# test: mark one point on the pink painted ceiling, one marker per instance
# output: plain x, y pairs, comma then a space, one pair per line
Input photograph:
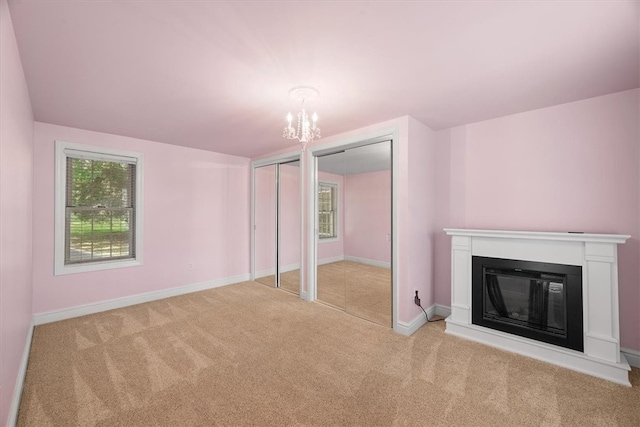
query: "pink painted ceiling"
216, 75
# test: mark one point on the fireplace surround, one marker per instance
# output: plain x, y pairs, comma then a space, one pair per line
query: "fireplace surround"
595, 255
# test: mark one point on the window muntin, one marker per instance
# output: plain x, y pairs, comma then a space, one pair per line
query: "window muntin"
327, 211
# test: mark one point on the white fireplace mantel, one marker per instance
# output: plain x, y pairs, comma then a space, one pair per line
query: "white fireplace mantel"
597, 254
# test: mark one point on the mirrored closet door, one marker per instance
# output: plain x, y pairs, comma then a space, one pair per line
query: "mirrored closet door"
265, 227
277, 213
289, 213
354, 231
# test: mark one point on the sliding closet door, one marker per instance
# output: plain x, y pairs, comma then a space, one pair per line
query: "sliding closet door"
354, 231
289, 226
265, 224
330, 272
367, 232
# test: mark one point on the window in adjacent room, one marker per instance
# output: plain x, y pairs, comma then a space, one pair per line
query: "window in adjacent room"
327, 210
98, 203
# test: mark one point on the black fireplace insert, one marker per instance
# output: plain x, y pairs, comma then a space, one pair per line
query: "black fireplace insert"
541, 301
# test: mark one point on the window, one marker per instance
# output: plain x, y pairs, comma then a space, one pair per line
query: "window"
327, 211
98, 195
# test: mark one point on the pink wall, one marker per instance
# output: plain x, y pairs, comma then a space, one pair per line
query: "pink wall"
572, 167
333, 248
367, 216
421, 205
196, 211
16, 196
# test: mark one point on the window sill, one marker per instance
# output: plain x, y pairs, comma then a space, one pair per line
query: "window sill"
329, 240
96, 266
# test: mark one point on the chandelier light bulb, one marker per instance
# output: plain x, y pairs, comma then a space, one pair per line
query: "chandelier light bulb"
289, 118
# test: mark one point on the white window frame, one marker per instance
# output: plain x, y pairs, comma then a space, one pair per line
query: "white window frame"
337, 219
60, 201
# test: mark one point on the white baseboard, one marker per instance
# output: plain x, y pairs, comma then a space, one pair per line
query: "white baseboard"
409, 328
633, 357
272, 271
83, 310
330, 260
22, 371
368, 261
443, 310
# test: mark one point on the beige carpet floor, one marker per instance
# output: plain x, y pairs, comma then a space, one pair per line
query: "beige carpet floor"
246, 354
289, 281
359, 289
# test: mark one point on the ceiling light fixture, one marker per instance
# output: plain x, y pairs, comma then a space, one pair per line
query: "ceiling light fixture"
305, 131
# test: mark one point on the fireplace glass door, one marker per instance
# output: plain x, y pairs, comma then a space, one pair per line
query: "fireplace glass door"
530, 299
541, 301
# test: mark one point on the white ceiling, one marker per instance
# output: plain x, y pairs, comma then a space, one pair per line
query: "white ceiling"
216, 75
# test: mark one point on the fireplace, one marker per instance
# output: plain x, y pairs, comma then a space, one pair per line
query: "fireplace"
541, 301
555, 296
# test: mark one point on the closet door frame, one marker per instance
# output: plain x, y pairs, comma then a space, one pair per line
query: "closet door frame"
275, 160
311, 155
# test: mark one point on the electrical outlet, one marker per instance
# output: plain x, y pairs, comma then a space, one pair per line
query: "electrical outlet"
416, 299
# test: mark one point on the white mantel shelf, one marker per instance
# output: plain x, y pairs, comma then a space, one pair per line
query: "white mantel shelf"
540, 235
597, 254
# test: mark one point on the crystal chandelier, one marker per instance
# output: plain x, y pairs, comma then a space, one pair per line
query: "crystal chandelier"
304, 131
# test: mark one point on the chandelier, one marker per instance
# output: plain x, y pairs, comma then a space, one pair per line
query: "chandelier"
305, 131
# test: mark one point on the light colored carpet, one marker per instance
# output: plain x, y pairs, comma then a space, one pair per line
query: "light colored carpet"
246, 354
289, 281
359, 289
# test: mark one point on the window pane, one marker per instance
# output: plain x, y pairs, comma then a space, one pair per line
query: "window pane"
327, 210
98, 234
100, 210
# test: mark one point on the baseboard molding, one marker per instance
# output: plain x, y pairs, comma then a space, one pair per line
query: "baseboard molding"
411, 327
272, 271
330, 260
83, 310
633, 357
368, 261
443, 310
22, 371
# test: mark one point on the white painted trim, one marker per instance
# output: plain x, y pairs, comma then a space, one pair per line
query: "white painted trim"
329, 239
540, 235
366, 261
59, 209
252, 226
272, 271
324, 261
443, 310
570, 359
632, 356
22, 372
97, 307
395, 235
417, 322
339, 211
